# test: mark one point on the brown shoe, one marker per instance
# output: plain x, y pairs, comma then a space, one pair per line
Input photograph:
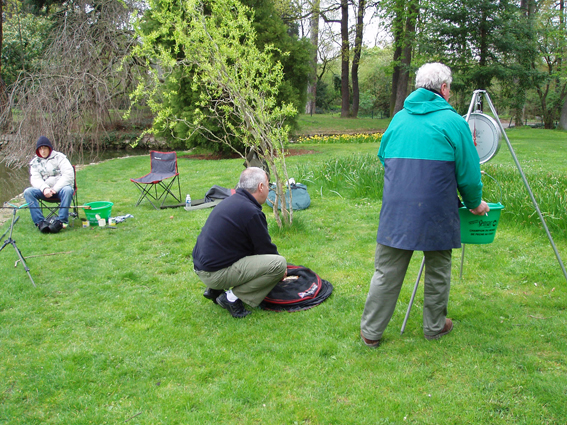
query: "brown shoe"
372, 343
446, 329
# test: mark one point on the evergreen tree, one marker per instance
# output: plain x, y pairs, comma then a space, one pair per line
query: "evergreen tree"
471, 36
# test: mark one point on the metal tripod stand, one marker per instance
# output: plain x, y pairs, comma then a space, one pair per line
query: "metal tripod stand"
476, 100
13, 242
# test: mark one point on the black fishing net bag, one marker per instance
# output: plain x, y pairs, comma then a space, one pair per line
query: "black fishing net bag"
300, 290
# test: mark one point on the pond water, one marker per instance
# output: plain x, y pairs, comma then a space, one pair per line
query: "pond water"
14, 181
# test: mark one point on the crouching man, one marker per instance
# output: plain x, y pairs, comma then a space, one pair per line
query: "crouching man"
234, 251
51, 177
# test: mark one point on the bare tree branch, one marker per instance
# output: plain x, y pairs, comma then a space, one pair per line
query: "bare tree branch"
82, 83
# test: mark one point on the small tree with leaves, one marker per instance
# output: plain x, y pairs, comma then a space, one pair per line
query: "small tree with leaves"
238, 82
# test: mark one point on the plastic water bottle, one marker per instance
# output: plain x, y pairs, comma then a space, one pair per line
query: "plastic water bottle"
187, 201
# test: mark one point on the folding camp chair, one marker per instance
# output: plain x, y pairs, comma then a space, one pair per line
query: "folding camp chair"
54, 203
153, 185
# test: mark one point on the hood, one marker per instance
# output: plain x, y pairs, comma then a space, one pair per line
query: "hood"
43, 141
423, 101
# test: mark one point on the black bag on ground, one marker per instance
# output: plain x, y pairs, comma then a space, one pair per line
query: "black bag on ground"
212, 198
300, 290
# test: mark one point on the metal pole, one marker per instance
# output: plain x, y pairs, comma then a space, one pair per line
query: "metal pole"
413, 295
9, 228
462, 261
13, 243
474, 100
536, 206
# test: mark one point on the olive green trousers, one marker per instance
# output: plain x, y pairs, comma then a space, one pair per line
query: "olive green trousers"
251, 278
390, 269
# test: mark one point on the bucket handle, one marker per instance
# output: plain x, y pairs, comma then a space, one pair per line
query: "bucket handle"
496, 181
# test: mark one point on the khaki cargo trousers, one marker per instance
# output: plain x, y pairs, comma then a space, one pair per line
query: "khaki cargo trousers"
251, 278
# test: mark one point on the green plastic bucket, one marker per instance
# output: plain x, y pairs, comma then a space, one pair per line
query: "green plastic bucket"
102, 208
479, 229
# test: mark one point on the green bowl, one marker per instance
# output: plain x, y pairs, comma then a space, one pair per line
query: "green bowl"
102, 208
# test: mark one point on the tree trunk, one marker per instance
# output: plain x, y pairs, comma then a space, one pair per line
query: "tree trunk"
312, 85
397, 30
548, 121
402, 91
522, 84
482, 82
345, 104
405, 59
356, 58
546, 116
519, 116
395, 80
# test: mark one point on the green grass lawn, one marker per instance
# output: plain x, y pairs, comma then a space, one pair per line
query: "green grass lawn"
117, 329
334, 124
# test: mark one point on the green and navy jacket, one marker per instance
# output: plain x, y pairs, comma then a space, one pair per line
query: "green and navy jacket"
428, 155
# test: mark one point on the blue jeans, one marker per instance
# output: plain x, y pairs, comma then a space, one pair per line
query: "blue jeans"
65, 196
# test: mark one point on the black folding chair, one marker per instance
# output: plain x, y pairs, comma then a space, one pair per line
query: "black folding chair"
153, 186
54, 203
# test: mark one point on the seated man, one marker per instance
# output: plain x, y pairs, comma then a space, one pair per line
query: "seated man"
234, 251
51, 175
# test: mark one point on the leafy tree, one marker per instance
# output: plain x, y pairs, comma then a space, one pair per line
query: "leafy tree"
213, 45
293, 53
404, 15
324, 96
471, 36
376, 77
24, 42
517, 60
41, 7
183, 92
550, 78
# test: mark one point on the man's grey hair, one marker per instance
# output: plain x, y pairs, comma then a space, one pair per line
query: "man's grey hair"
432, 76
251, 178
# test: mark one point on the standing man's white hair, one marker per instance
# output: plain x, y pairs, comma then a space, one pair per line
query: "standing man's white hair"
432, 76
251, 178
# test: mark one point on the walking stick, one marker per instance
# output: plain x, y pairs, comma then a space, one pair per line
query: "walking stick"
413, 295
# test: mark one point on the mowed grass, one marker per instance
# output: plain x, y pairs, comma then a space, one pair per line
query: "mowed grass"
117, 330
334, 124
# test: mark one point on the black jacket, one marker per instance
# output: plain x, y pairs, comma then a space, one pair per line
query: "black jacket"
236, 228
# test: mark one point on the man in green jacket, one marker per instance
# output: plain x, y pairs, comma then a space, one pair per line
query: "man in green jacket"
428, 156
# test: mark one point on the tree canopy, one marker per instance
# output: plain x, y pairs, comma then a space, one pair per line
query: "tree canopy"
181, 94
